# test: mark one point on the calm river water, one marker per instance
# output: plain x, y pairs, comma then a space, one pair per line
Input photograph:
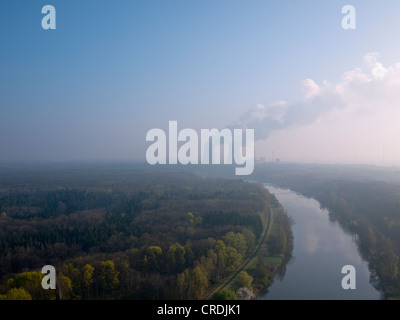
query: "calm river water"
321, 249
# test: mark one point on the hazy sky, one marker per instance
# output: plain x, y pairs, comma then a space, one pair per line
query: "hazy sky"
113, 70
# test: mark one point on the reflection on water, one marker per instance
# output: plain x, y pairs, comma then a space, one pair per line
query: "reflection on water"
321, 249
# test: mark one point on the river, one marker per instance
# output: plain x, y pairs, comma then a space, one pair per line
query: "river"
321, 249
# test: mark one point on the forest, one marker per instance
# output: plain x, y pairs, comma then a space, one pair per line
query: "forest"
365, 200
114, 232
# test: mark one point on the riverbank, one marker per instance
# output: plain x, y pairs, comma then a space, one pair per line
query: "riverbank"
272, 252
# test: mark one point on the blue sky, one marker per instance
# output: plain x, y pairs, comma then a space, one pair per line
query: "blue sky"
112, 70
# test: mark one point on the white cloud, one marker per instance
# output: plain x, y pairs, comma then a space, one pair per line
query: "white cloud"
310, 88
377, 69
357, 118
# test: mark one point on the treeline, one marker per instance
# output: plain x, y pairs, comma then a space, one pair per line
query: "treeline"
281, 241
366, 202
371, 212
280, 244
140, 235
150, 273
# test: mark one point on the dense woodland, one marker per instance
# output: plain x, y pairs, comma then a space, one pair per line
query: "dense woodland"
118, 233
366, 202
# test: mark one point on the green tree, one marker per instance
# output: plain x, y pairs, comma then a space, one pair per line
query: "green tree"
108, 277
182, 283
277, 242
198, 221
74, 274
16, 294
87, 278
224, 294
220, 250
262, 272
64, 287
189, 255
32, 283
367, 235
243, 280
233, 259
191, 218
170, 258
250, 238
237, 241
154, 258
198, 279
387, 261
176, 258
180, 257
208, 265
